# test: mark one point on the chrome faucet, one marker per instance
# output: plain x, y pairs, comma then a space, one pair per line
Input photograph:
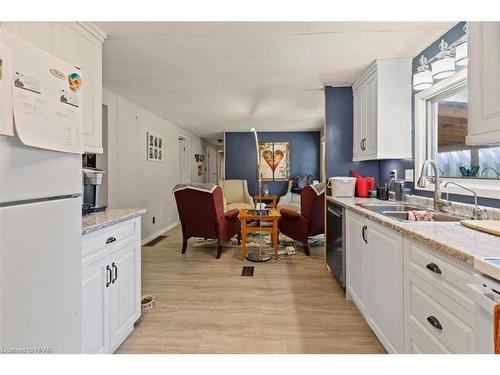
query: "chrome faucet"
478, 213
438, 202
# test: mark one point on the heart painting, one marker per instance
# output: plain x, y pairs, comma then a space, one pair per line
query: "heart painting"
274, 158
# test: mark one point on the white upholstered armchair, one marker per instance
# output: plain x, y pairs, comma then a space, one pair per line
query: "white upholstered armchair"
236, 194
290, 200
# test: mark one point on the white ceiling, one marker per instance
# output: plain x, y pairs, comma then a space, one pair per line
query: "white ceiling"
209, 77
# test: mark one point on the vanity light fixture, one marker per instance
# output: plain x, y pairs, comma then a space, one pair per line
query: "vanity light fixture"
423, 78
444, 65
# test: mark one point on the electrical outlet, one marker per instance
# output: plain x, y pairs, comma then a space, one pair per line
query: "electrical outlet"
409, 175
154, 219
394, 172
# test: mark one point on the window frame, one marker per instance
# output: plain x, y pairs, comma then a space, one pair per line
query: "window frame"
424, 113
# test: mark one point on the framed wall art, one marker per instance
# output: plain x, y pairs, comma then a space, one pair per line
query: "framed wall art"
154, 147
274, 161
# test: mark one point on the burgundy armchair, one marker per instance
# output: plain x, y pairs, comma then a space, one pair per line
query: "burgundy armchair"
201, 214
309, 222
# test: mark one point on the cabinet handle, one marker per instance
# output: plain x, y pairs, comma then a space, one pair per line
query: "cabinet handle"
433, 321
434, 268
110, 240
108, 276
115, 271
361, 145
363, 233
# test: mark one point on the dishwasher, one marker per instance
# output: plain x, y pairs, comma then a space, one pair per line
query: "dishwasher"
335, 241
485, 292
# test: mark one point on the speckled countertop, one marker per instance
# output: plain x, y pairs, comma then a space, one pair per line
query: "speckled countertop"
100, 220
450, 238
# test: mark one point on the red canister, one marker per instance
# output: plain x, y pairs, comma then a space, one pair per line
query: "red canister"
362, 185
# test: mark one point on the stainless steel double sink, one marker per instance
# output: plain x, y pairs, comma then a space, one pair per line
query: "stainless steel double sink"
399, 211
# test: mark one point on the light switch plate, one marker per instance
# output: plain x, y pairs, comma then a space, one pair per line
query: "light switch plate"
409, 175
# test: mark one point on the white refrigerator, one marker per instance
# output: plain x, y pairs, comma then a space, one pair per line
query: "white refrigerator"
40, 231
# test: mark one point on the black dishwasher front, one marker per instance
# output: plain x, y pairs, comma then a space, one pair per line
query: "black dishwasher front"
335, 241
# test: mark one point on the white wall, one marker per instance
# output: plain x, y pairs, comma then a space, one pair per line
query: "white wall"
135, 182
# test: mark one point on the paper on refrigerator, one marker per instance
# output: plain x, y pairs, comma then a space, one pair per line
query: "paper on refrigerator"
47, 111
6, 122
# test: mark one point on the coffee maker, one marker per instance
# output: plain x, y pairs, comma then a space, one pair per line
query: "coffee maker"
92, 195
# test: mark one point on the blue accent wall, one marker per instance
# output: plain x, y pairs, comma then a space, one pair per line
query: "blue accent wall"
339, 136
241, 156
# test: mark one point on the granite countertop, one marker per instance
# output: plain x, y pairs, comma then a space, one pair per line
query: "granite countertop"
450, 238
100, 220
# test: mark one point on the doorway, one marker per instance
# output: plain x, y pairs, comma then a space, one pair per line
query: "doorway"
184, 160
211, 164
220, 164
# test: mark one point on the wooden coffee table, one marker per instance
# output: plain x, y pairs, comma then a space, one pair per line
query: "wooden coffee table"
249, 223
270, 200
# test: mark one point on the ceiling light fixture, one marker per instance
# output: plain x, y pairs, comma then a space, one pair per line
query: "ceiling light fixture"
423, 78
444, 65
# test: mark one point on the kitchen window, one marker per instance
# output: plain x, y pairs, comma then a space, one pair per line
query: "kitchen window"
440, 132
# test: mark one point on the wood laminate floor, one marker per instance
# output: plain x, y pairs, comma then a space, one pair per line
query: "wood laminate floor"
204, 305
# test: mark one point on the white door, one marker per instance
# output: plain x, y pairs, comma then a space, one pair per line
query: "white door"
356, 261
124, 294
184, 161
386, 285
220, 166
95, 307
211, 163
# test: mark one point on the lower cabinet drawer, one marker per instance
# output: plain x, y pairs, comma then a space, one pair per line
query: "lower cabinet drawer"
436, 317
112, 237
420, 342
449, 278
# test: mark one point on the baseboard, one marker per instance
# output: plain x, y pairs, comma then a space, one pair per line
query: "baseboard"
151, 237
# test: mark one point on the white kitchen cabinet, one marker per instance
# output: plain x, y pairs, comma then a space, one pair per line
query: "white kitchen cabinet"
111, 285
382, 111
386, 285
374, 267
437, 311
80, 44
124, 293
413, 297
483, 125
357, 282
41, 34
95, 307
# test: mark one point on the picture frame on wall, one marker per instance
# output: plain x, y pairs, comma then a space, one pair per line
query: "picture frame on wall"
154, 147
274, 161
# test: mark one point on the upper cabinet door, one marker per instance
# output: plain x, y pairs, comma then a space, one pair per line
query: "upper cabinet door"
40, 34
370, 139
84, 50
484, 83
382, 106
